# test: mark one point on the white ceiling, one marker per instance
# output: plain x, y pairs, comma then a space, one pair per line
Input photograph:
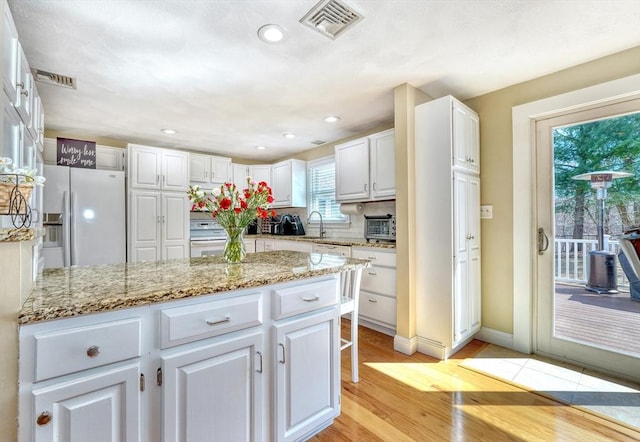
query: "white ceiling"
198, 66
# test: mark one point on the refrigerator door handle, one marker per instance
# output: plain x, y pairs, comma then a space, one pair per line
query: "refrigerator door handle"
66, 239
73, 212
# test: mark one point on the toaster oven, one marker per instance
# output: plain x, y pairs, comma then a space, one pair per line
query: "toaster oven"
381, 227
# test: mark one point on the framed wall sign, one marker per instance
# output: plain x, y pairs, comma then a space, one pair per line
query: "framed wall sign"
76, 153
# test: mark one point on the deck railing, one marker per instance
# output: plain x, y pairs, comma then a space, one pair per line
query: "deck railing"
572, 255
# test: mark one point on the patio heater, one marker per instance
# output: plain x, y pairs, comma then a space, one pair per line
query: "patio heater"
602, 270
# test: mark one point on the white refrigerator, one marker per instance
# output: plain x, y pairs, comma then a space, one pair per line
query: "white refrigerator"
84, 217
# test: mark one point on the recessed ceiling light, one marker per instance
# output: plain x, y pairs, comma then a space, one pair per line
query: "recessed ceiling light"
289, 135
168, 131
331, 119
261, 147
271, 33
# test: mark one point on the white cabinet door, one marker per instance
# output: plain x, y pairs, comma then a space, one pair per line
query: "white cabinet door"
154, 168
466, 142
10, 57
308, 379
12, 129
352, 170
199, 168
144, 167
466, 303
175, 170
175, 225
214, 392
144, 229
260, 172
383, 163
220, 170
473, 222
281, 185
24, 97
240, 172
101, 406
289, 183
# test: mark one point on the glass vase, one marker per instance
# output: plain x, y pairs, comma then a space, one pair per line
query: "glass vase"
234, 251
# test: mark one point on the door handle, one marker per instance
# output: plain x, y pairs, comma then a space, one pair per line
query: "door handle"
543, 241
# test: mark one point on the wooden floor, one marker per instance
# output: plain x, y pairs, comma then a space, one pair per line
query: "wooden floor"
611, 321
405, 398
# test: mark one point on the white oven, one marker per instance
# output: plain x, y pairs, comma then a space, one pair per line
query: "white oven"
207, 237
207, 247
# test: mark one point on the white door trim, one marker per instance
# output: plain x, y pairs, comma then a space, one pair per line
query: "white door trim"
524, 238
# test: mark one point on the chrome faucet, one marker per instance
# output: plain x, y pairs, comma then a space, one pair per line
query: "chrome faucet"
322, 232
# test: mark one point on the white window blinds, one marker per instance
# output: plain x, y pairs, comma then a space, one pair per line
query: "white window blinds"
322, 190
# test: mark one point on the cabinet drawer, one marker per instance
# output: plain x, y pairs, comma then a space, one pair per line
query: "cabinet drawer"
289, 301
378, 308
331, 249
75, 349
379, 280
377, 257
180, 325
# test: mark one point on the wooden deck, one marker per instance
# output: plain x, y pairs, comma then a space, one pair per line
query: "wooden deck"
610, 321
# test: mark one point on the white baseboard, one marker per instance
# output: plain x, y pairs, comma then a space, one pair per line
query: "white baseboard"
495, 337
408, 346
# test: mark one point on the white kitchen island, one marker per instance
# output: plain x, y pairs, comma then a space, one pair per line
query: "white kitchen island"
183, 350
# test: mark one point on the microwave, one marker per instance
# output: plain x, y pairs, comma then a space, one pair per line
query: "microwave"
381, 227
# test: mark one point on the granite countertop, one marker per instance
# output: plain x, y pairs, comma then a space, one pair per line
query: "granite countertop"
357, 242
72, 291
13, 235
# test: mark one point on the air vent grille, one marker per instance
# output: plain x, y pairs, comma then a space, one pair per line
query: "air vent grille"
54, 79
331, 18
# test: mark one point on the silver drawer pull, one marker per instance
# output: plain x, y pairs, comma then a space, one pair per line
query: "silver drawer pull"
371, 257
226, 319
372, 273
93, 351
373, 300
316, 298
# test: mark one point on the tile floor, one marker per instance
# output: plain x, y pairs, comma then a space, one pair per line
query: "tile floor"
614, 398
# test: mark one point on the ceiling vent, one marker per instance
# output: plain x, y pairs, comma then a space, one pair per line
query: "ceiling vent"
54, 79
331, 18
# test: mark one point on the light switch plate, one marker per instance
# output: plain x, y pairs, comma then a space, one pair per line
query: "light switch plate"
486, 211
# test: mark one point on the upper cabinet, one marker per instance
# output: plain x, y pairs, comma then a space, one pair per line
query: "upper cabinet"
23, 111
258, 172
365, 168
10, 56
466, 137
107, 157
289, 183
208, 169
24, 85
382, 167
160, 169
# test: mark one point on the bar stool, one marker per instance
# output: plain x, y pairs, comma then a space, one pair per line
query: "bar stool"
350, 289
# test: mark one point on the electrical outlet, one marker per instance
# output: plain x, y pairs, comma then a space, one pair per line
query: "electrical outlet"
486, 211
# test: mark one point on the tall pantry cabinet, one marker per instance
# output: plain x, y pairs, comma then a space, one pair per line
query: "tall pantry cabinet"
158, 208
448, 241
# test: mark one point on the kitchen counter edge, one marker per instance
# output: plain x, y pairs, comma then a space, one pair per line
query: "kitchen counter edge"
73, 291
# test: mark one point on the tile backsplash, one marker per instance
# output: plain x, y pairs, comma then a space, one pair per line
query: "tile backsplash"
355, 228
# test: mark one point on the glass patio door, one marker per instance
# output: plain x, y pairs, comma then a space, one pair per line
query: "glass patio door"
573, 323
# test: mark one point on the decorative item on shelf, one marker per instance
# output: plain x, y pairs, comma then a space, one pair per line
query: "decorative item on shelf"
234, 209
16, 185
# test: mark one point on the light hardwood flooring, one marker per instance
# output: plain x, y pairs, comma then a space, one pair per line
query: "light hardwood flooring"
405, 398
